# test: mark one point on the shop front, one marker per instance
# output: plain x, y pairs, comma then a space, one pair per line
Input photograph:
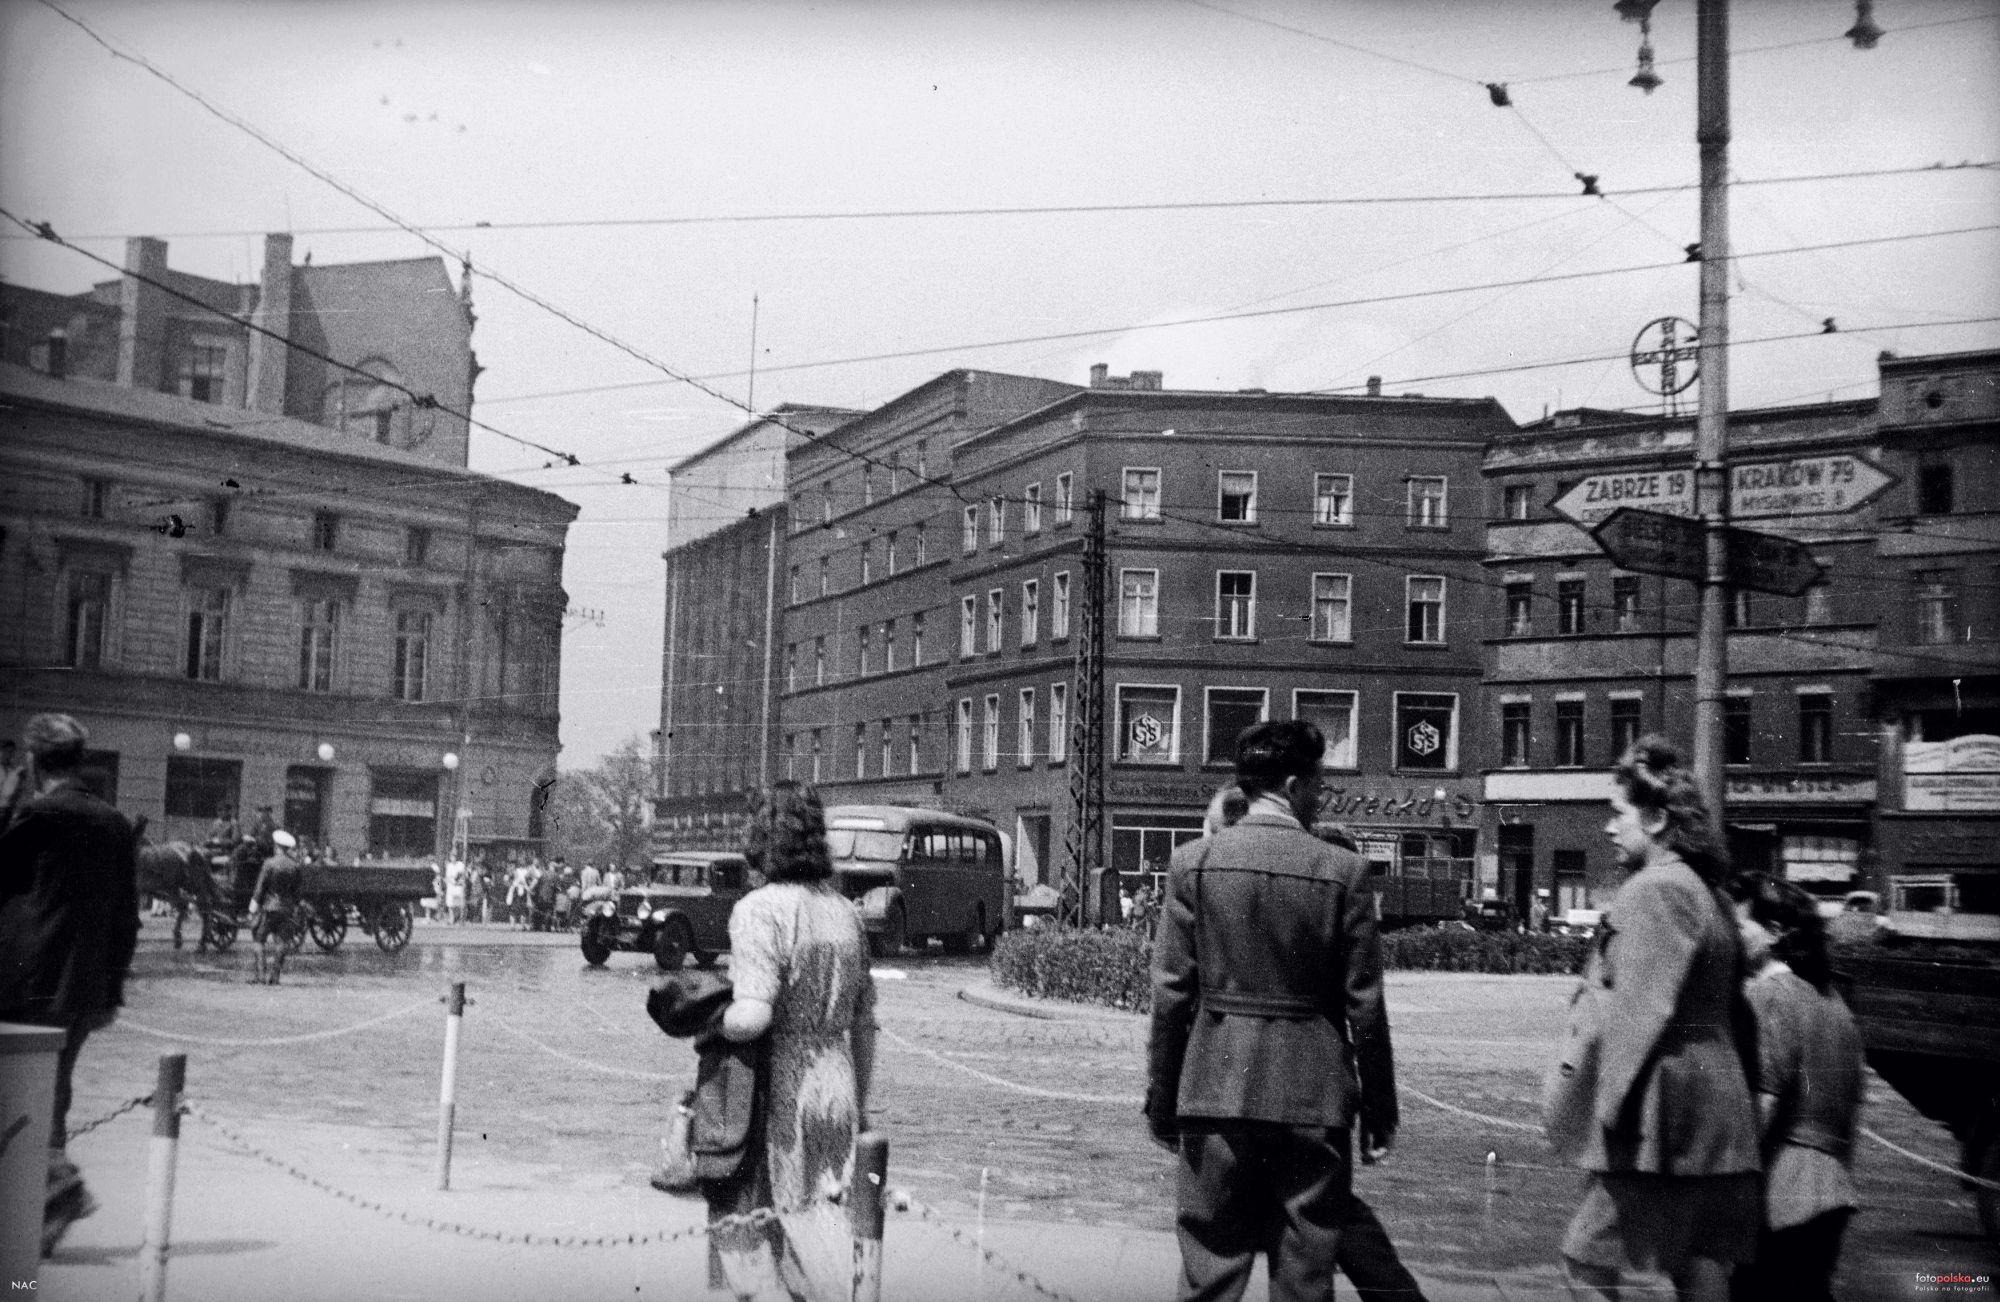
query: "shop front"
1813, 830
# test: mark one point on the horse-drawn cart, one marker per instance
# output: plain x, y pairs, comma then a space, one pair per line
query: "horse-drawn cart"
377, 898
215, 887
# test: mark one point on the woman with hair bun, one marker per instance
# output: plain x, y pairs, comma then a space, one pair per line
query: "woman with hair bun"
1809, 1085
1671, 1141
798, 961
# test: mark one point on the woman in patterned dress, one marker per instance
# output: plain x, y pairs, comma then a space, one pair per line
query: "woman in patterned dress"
799, 964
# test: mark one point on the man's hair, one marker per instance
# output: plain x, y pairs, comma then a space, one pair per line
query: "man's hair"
1270, 752
56, 742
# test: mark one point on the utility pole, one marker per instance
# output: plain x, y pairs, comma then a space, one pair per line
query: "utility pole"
469, 607
770, 635
1711, 431
1085, 842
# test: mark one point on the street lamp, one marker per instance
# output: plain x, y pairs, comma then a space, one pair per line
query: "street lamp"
326, 752
450, 762
183, 742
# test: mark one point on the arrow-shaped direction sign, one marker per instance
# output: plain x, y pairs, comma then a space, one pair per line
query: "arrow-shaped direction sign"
1796, 486
1654, 543
1665, 492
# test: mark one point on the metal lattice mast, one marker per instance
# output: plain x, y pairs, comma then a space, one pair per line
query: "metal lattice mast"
1085, 843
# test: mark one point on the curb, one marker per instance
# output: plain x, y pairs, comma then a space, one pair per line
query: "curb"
1042, 1010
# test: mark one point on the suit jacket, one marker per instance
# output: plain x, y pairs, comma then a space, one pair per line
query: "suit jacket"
69, 908
1672, 1096
1267, 984
727, 1093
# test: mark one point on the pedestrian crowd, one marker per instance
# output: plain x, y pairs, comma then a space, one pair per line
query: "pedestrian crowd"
1708, 1084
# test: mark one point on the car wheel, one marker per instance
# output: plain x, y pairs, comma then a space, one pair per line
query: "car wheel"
595, 944
673, 945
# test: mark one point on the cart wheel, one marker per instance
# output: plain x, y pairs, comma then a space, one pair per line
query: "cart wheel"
218, 929
673, 945
596, 950
328, 924
392, 926
294, 933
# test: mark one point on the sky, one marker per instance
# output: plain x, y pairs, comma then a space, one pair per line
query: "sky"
1331, 179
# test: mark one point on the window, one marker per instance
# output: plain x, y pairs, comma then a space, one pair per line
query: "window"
923, 546
201, 788
1517, 734
860, 750
325, 531
995, 618
1934, 488
1517, 501
1625, 603
413, 653
96, 498
1335, 713
867, 563
1333, 608
1815, 727
889, 551
818, 753
968, 627
1236, 496
1424, 595
1819, 604
1031, 509
1427, 502
996, 521
1569, 607
1520, 609
1625, 716
1065, 498
416, 545
922, 444
1333, 499
207, 628
916, 743
1426, 731
1031, 611
825, 575
1059, 606
917, 640
791, 666
819, 661
1937, 606
888, 747
1024, 729
861, 639
218, 516
1572, 874
989, 750
1058, 723
1736, 730
791, 749
319, 632
203, 368
1149, 721
795, 512
969, 531
895, 472
1229, 711
888, 646
1569, 734
795, 585
826, 502
1141, 499
1138, 603
1236, 604
867, 485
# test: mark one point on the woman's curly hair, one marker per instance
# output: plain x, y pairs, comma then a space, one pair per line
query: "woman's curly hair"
788, 835
1793, 918
1651, 775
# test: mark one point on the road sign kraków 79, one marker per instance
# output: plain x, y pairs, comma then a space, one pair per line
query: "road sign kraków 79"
1828, 485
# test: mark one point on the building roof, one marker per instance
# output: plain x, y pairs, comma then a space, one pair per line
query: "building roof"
815, 418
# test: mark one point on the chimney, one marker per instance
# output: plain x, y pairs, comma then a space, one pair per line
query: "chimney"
58, 358
1374, 386
142, 315
1098, 374
264, 390
1147, 379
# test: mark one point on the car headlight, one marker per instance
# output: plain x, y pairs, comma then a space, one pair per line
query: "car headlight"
643, 913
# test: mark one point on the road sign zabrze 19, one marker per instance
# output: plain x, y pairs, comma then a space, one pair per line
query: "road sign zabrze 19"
1663, 492
1654, 543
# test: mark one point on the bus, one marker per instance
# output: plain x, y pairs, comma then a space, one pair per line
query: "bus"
918, 873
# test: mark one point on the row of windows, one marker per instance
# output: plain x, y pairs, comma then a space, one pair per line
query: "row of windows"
1236, 502
893, 478
1626, 718
97, 498
1330, 598
901, 550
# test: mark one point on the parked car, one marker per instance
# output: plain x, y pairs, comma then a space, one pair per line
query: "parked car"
1489, 915
681, 909
918, 873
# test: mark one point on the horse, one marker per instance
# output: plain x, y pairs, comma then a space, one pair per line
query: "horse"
178, 873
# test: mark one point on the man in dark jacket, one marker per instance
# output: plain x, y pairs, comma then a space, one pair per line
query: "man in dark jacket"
69, 920
1269, 1034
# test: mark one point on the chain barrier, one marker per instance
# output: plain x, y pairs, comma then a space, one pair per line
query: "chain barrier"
1921, 1160
1457, 1111
235, 1042
587, 1064
902, 1201
73, 1132
760, 1216
1132, 1100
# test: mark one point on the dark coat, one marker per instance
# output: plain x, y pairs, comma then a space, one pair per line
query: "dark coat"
69, 908
1267, 985
727, 1095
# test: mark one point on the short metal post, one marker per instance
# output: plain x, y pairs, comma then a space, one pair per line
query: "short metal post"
871, 1175
160, 1176
448, 1086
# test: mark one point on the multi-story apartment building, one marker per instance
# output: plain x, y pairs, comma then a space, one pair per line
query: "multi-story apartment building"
1937, 677
866, 588
1585, 657
1266, 556
332, 617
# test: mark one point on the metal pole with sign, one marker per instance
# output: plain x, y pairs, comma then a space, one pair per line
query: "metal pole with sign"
1711, 431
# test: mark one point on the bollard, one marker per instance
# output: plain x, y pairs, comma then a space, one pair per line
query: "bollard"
871, 1176
979, 1256
160, 1176
448, 1086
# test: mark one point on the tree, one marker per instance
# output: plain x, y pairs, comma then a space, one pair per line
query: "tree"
602, 815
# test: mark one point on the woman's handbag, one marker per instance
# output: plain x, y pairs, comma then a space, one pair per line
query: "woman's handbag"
676, 1172
1569, 1094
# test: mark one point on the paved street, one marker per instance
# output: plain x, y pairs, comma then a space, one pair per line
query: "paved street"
561, 1086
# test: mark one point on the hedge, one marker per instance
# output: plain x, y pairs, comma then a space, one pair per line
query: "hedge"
1113, 966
